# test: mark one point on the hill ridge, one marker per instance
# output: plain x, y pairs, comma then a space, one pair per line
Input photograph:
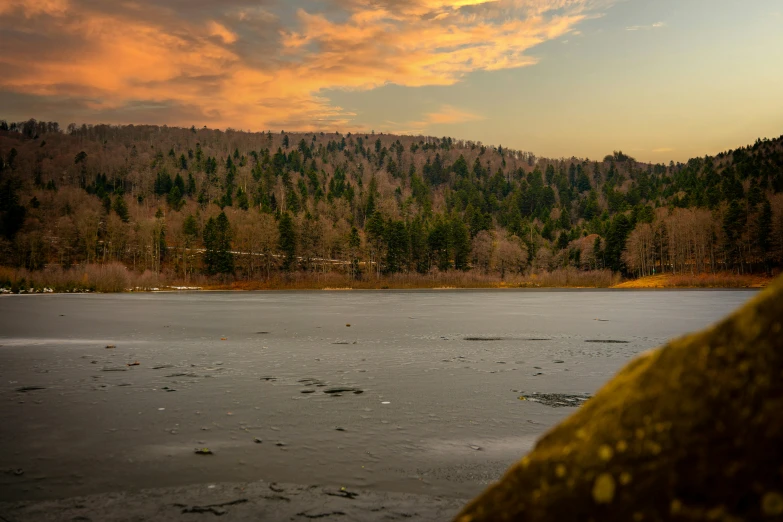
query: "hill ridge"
150, 196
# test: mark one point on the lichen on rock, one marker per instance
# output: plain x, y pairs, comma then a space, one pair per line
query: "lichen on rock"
690, 431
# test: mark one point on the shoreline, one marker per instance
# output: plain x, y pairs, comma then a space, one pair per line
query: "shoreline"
228, 289
442, 282
344, 290
627, 286
116, 278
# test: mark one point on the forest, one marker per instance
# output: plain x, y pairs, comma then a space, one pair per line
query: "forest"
200, 205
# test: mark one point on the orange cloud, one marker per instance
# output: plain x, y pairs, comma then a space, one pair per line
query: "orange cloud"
218, 29
231, 63
32, 8
445, 115
448, 114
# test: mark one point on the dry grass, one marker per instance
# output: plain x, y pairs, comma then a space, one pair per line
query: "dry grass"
573, 278
115, 277
717, 280
112, 277
565, 278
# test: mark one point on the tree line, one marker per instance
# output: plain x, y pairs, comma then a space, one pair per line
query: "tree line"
204, 201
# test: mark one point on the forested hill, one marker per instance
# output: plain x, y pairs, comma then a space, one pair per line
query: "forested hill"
199, 200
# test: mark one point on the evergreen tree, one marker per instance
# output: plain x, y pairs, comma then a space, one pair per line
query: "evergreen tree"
564, 223
180, 184
287, 241
419, 256
106, 202
460, 243
218, 258
163, 183
548, 231
615, 242
562, 241
376, 237
191, 189
12, 214
732, 188
190, 227
550, 174
174, 198
439, 242
397, 246
733, 224
121, 209
242, 201
764, 232
598, 253
292, 201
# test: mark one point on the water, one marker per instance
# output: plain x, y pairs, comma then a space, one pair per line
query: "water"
440, 375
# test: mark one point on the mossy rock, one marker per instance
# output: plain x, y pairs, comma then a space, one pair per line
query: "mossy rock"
690, 431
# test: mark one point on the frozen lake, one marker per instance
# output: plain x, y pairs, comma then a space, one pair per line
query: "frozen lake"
432, 383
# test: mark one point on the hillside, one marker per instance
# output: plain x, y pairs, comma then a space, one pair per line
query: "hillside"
192, 202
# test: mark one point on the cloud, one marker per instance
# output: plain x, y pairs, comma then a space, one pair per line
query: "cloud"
656, 25
262, 64
664, 149
34, 8
448, 115
444, 115
220, 30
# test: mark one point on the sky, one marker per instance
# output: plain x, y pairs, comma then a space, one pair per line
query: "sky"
660, 80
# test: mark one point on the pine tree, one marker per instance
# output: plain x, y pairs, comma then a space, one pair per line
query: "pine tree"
598, 254
190, 227
398, 247
562, 241
218, 258
615, 242
242, 201
376, 238
12, 214
174, 198
121, 209
419, 257
287, 241
439, 242
460, 243
565, 219
191, 189
764, 232
733, 224
180, 184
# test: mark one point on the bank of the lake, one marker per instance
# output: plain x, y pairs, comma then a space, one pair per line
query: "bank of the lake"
114, 277
684, 281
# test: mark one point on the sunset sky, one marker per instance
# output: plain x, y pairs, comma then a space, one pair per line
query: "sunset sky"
659, 79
